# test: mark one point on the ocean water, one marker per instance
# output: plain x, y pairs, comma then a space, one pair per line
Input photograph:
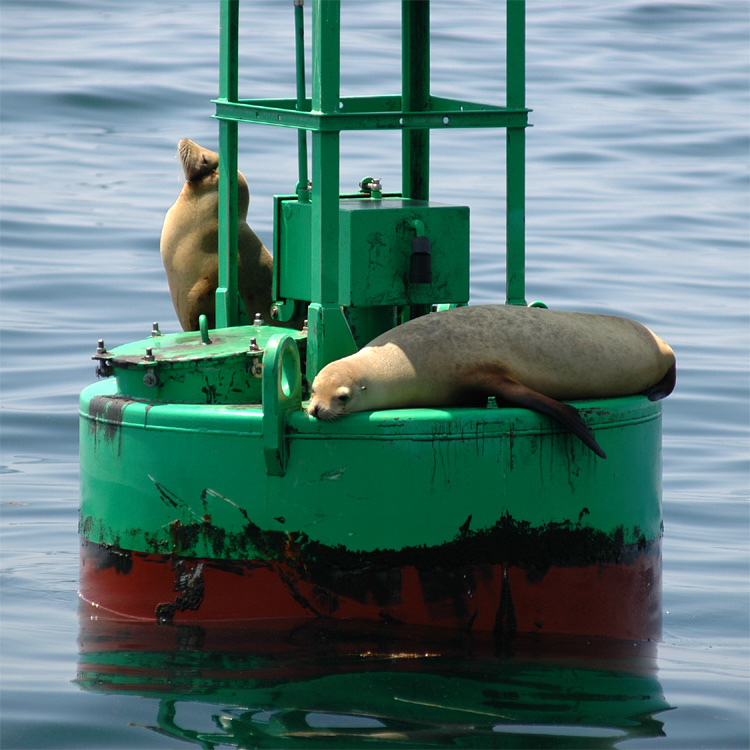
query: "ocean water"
637, 204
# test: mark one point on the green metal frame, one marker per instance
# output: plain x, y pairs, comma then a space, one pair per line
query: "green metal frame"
326, 114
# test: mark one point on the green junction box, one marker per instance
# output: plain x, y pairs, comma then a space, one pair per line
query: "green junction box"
378, 234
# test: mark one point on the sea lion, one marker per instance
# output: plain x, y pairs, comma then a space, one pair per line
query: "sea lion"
190, 241
528, 357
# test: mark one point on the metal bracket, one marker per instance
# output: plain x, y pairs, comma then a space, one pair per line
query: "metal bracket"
282, 393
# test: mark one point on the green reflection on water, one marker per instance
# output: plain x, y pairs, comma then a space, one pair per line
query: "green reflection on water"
351, 685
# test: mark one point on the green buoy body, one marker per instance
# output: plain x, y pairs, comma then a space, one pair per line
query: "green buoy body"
214, 508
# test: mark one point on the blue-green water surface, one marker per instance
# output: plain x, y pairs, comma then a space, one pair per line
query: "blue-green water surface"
637, 204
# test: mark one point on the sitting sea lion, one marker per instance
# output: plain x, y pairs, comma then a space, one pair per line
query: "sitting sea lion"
190, 240
528, 357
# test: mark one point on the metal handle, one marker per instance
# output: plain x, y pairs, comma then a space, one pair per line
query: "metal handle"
282, 393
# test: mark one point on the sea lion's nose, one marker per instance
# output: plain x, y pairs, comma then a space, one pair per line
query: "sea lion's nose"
314, 410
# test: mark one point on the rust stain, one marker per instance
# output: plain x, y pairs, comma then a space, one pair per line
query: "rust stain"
188, 584
106, 413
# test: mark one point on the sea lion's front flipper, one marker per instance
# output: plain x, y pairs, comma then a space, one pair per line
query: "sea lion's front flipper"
513, 392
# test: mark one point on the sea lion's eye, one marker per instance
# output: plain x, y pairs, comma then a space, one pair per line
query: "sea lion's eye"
342, 398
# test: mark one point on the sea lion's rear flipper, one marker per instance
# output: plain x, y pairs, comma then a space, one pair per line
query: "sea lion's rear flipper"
513, 392
664, 387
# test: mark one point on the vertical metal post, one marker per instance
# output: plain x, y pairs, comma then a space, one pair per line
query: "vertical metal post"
325, 152
329, 336
299, 46
227, 301
515, 154
415, 97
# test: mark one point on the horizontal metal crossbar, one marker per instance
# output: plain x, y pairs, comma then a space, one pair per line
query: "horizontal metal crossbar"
372, 113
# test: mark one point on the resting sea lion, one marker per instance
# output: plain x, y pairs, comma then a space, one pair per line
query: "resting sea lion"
190, 240
528, 357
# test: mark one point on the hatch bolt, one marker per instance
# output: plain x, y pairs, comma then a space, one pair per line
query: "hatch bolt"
102, 357
151, 379
155, 329
149, 354
254, 345
258, 321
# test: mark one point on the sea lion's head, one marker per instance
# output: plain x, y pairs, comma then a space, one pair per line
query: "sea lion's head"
338, 389
201, 168
198, 163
